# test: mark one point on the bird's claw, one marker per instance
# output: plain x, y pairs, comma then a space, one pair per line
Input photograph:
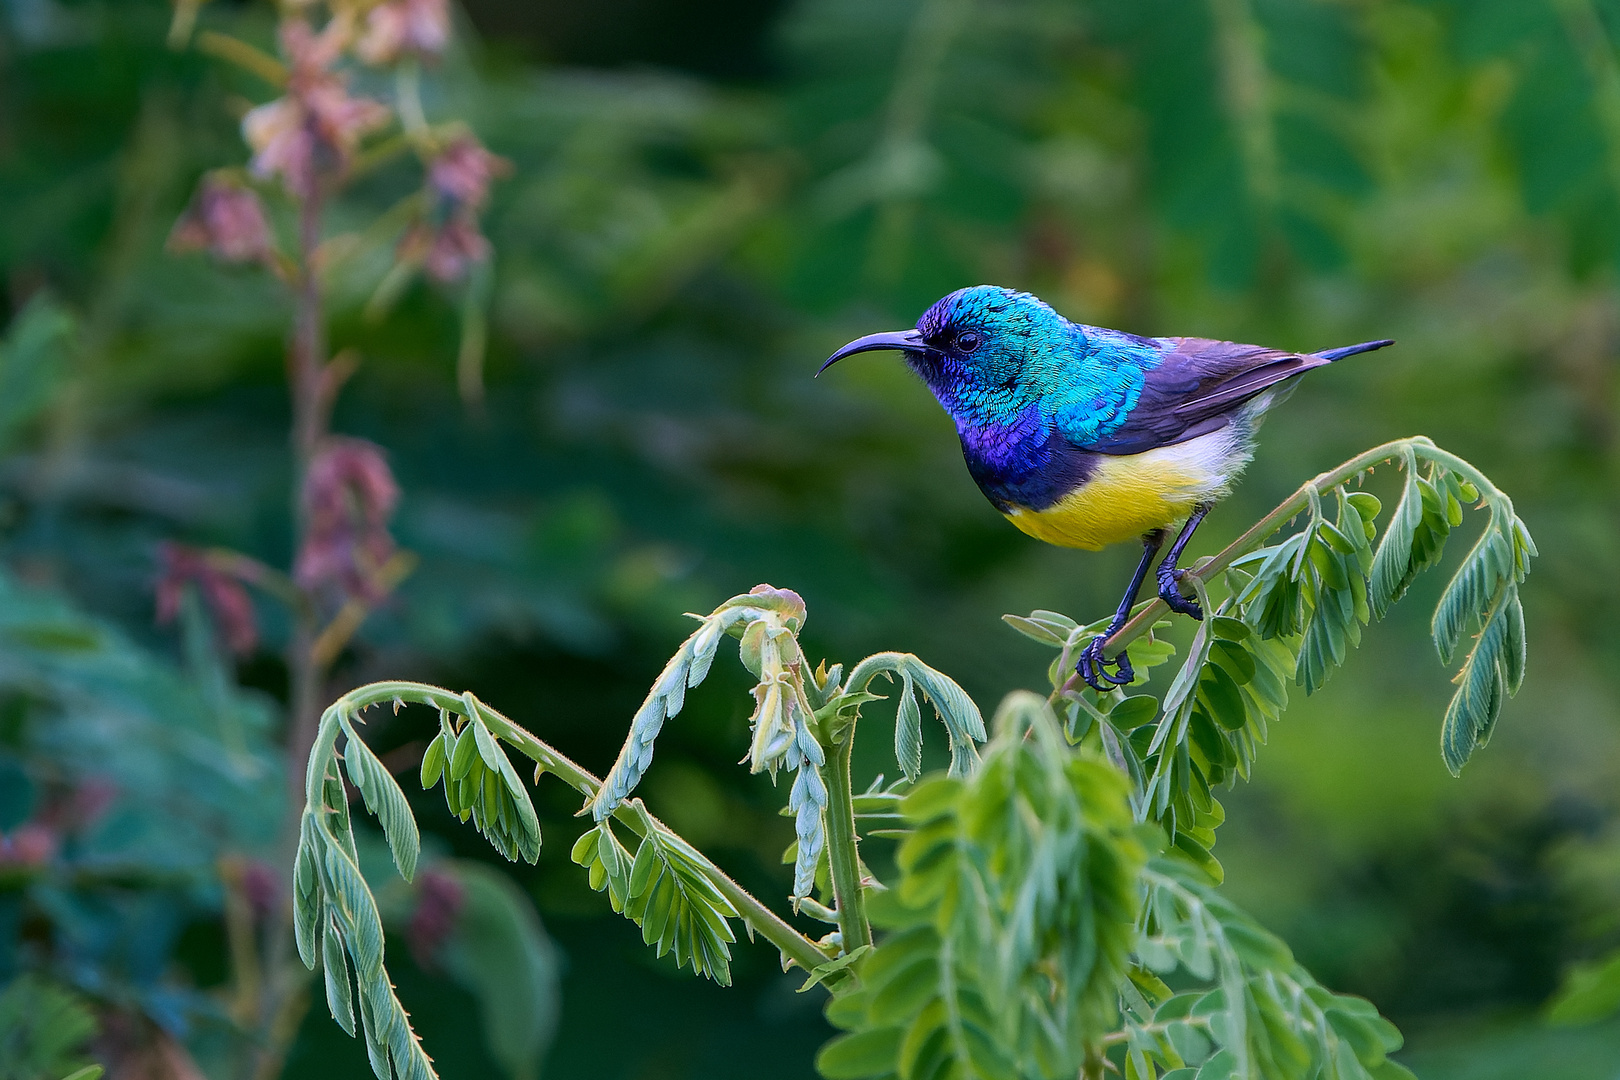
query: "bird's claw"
1093, 666
1170, 593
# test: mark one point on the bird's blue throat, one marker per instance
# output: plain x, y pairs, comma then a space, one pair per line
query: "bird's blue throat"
1021, 461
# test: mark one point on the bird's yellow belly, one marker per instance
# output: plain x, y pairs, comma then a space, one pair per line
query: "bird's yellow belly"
1129, 496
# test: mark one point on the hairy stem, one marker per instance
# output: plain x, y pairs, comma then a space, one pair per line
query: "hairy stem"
842, 851
793, 945
1207, 569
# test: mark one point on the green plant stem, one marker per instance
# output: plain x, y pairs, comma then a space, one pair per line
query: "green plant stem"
1207, 569
793, 945
842, 852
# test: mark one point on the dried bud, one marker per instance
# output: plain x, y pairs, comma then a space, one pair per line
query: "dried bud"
226, 219
462, 172
405, 27
349, 496
439, 900
227, 600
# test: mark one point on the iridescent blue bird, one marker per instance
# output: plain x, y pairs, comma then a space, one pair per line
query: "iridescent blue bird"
1084, 436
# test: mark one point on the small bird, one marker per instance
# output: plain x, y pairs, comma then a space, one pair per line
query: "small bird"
1085, 437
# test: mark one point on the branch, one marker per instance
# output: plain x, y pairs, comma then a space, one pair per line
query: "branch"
795, 946
1207, 569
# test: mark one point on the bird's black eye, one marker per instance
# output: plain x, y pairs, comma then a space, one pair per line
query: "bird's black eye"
967, 341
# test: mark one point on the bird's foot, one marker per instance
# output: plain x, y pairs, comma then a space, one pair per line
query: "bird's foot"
1093, 666
1170, 592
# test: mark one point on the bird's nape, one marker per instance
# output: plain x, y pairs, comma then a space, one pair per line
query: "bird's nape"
888, 339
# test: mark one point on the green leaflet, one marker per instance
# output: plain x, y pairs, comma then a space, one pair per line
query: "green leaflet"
1391, 569
664, 892
1324, 583
334, 909
384, 799
1255, 1011
335, 970
908, 730
1492, 670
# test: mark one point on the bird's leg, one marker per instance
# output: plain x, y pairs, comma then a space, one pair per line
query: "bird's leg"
1170, 575
1092, 666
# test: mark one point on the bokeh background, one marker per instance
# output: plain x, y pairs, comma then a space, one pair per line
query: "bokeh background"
707, 196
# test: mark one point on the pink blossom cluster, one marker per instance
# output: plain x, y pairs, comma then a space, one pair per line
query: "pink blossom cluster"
462, 172
448, 240
349, 496
31, 844
223, 593
316, 125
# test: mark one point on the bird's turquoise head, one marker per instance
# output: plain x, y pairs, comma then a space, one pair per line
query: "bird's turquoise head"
981, 350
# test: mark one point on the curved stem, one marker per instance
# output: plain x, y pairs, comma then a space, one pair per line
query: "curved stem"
793, 945
1207, 569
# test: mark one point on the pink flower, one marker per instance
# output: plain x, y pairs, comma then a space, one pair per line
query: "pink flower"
447, 240
439, 900
30, 844
349, 497
447, 251
316, 125
457, 245
463, 170
282, 144
226, 219
227, 600
401, 27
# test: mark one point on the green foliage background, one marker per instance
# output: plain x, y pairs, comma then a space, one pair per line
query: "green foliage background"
709, 197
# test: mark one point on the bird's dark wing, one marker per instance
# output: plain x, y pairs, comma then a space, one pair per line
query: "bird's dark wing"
1197, 386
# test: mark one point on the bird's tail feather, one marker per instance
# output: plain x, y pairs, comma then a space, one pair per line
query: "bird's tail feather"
1351, 350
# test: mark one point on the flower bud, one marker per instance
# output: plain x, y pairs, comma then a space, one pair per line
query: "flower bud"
225, 219
227, 600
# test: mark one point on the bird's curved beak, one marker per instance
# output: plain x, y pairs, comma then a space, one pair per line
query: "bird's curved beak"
889, 339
